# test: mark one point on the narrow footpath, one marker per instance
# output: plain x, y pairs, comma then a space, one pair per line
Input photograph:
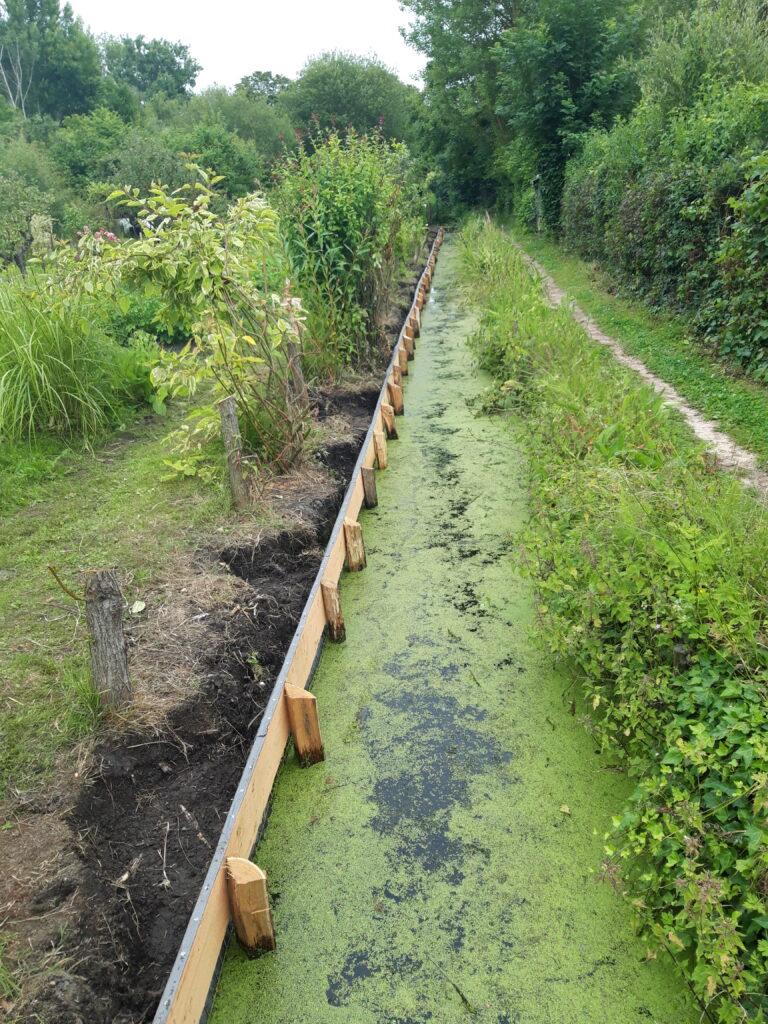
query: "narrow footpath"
440, 866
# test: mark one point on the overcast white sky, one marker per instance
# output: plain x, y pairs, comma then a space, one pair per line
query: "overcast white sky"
232, 38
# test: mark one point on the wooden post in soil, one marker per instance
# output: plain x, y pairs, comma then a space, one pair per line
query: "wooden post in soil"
249, 905
370, 497
388, 416
233, 445
333, 614
355, 547
380, 448
305, 725
109, 652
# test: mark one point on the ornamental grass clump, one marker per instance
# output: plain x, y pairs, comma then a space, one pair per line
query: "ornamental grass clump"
650, 567
58, 374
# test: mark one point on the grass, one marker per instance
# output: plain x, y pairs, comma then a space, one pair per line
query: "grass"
107, 507
57, 372
665, 344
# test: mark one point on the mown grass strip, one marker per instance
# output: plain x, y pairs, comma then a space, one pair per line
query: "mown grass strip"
650, 570
665, 344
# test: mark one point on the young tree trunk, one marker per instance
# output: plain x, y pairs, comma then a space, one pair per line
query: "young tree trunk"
233, 445
109, 653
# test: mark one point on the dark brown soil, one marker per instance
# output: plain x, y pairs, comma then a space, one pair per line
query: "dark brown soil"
126, 859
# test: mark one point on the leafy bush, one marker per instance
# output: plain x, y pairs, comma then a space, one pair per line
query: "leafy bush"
650, 571
737, 313
654, 199
58, 374
350, 214
213, 278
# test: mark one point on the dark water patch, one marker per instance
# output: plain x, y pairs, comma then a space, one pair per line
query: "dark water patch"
425, 770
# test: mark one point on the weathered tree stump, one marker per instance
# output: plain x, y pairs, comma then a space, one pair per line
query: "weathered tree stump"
233, 445
109, 652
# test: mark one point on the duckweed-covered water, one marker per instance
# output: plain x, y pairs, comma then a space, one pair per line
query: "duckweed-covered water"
440, 865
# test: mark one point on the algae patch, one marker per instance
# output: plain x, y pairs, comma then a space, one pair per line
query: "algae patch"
426, 871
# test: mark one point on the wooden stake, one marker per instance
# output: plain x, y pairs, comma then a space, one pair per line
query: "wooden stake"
416, 322
370, 497
249, 905
380, 447
109, 652
397, 374
305, 725
396, 398
333, 615
388, 416
353, 538
402, 355
233, 445
410, 347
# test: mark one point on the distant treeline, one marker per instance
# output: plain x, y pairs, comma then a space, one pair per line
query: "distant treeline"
81, 116
636, 128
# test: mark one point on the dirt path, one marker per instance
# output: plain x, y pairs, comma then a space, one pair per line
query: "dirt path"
438, 866
729, 455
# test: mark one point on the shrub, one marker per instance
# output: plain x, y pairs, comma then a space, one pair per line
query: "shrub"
350, 214
650, 571
216, 279
59, 374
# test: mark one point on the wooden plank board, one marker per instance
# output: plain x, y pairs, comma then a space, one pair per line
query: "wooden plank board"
187, 990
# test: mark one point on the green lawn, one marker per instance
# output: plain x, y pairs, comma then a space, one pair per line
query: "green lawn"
108, 507
665, 344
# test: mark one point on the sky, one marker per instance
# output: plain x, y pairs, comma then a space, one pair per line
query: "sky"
232, 38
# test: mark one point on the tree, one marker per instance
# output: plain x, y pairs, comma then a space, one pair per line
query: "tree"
88, 144
561, 71
49, 64
339, 91
263, 84
464, 130
151, 66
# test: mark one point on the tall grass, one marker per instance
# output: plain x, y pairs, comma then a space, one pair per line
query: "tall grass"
651, 574
58, 373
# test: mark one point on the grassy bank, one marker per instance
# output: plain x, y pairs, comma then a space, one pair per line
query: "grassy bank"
650, 570
665, 345
108, 507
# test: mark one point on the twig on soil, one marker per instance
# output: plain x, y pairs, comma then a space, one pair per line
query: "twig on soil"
166, 882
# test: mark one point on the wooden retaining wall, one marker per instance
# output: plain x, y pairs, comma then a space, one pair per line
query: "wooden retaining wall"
187, 992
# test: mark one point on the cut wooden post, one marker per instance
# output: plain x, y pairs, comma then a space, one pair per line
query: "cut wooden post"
109, 652
410, 347
388, 416
397, 374
353, 539
380, 447
233, 445
333, 614
396, 398
370, 497
402, 355
305, 725
249, 905
416, 319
